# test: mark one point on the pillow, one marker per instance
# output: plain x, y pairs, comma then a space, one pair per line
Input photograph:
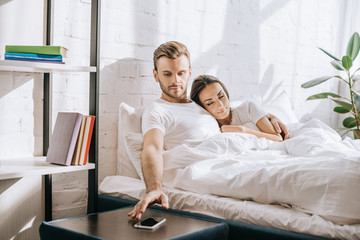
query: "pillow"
280, 106
129, 121
134, 142
123, 187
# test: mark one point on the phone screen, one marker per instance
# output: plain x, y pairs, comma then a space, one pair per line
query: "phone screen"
150, 223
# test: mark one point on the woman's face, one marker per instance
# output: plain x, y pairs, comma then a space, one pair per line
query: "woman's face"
215, 101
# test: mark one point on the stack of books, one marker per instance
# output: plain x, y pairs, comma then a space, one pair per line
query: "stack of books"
70, 142
48, 54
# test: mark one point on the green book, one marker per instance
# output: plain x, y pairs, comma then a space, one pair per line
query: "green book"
50, 50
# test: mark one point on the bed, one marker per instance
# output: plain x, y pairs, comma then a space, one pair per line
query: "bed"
306, 185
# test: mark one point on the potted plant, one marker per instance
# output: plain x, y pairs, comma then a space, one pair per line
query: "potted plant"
351, 103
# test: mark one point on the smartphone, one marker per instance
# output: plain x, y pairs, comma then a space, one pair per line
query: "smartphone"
150, 223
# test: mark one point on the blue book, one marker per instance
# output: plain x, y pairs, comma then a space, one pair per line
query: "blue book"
33, 57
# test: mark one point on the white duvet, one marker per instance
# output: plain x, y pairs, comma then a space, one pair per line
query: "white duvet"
314, 171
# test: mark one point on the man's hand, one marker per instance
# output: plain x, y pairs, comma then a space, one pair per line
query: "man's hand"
279, 126
149, 199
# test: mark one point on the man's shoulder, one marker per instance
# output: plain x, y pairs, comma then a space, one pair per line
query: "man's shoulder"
157, 108
155, 105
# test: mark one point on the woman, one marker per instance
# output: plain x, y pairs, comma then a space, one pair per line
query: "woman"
210, 93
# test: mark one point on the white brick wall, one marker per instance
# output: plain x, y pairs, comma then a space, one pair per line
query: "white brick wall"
20, 102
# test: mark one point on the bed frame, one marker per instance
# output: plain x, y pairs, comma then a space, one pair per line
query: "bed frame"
237, 230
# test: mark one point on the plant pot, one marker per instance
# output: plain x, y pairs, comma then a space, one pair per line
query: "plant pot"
356, 134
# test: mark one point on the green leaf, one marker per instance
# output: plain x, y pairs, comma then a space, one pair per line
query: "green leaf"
349, 122
353, 46
346, 62
337, 65
323, 95
346, 105
341, 110
315, 82
330, 55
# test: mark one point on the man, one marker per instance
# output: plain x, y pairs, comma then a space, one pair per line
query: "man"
171, 120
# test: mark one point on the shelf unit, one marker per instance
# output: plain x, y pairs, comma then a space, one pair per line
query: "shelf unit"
23, 167
16, 168
24, 66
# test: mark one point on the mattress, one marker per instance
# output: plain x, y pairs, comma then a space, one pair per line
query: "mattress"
277, 216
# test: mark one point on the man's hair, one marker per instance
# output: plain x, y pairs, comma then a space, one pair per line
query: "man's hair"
200, 83
170, 50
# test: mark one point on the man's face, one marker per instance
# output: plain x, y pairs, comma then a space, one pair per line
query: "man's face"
173, 76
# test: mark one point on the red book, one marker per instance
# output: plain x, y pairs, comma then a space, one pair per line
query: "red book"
91, 127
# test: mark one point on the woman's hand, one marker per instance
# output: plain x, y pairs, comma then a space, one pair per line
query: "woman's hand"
234, 128
279, 126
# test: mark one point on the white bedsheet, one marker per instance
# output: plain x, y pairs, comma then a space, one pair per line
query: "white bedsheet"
274, 216
314, 171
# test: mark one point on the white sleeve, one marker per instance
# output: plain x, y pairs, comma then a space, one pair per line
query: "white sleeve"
152, 119
255, 112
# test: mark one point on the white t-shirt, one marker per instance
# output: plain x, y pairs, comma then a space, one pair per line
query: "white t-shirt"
247, 114
181, 123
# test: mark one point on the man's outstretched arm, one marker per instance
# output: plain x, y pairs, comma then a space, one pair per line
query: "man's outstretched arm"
152, 168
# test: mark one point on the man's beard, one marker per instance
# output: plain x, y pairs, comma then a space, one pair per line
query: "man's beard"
166, 91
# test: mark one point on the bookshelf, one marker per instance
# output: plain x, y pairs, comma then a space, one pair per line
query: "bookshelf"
22, 167
23, 66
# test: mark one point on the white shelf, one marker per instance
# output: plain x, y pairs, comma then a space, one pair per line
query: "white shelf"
17, 168
24, 66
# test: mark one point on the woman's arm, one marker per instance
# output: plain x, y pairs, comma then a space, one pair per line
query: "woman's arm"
279, 126
267, 130
266, 127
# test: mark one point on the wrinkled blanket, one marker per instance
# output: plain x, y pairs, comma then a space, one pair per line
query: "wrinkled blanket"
314, 171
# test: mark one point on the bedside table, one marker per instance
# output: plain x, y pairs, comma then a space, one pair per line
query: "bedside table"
117, 225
